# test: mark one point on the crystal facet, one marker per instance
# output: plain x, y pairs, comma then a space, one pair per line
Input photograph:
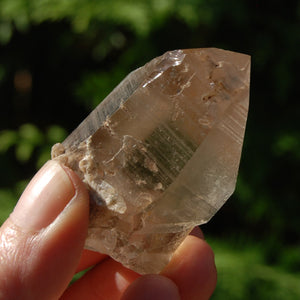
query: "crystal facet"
161, 153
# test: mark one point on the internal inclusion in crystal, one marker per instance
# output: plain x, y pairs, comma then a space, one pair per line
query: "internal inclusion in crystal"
161, 153
162, 156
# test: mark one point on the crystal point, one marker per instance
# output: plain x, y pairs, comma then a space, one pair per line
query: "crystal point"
161, 153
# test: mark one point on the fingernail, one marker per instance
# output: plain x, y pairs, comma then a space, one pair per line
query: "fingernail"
45, 197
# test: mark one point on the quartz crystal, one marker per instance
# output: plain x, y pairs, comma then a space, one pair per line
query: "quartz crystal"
160, 154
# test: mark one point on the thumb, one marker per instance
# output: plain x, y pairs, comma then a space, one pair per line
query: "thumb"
42, 240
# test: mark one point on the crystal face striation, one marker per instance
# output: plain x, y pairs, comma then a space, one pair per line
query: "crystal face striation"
160, 154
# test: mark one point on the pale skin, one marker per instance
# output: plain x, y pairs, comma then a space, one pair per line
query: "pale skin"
41, 248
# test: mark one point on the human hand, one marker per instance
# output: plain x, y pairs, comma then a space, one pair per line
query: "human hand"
41, 248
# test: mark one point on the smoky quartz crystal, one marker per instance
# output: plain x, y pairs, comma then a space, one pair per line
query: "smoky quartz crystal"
160, 154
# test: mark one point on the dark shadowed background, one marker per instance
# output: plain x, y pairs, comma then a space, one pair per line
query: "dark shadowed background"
60, 58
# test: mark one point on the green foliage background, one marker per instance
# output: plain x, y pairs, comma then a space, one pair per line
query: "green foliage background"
60, 58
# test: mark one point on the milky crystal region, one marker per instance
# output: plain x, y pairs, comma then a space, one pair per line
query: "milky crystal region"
161, 153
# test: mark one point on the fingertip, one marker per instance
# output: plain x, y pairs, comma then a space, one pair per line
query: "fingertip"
47, 194
152, 287
107, 280
193, 269
44, 237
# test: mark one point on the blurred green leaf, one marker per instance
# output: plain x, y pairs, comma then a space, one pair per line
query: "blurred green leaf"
20, 187
7, 203
8, 138
44, 156
55, 134
290, 258
30, 134
287, 143
5, 32
24, 151
242, 274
